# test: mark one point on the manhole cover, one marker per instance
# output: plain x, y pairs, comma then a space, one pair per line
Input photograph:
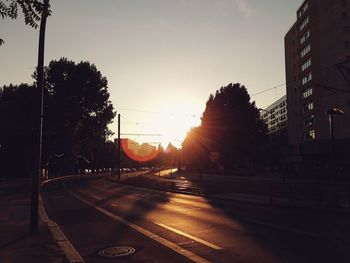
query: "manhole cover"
113, 252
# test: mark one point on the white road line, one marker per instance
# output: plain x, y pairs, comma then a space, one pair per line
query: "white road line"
189, 236
186, 253
94, 196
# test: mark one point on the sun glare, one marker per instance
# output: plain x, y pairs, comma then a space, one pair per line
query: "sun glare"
175, 120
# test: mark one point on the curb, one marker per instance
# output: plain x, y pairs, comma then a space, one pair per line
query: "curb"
71, 254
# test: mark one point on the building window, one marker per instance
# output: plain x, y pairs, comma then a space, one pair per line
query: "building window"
304, 23
308, 106
307, 93
309, 121
305, 50
305, 37
310, 135
303, 9
306, 79
306, 64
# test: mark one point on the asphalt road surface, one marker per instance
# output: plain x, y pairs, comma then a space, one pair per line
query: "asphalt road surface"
170, 227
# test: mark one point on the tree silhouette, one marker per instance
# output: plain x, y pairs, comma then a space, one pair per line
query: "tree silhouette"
77, 114
231, 125
31, 9
17, 104
79, 109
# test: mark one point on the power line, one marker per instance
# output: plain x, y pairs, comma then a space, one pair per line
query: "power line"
141, 134
159, 112
266, 90
292, 81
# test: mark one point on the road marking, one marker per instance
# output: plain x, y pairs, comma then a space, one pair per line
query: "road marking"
96, 197
88, 194
189, 236
186, 253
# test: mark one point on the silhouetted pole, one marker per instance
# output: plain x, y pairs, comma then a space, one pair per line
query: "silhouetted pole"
330, 113
34, 212
119, 150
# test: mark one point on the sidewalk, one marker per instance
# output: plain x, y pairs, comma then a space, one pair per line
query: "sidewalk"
16, 242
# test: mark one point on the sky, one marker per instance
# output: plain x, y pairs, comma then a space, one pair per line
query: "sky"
162, 58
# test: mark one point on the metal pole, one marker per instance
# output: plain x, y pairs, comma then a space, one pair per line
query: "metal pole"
333, 159
331, 131
34, 217
119, 150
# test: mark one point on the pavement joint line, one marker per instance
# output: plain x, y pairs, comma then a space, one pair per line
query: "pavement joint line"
297, 231
69, 251
208, 244
180, 250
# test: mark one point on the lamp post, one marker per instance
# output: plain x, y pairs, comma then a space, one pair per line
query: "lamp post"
34, 213
330, 113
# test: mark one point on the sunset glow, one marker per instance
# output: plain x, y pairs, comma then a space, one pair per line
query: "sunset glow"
174, 121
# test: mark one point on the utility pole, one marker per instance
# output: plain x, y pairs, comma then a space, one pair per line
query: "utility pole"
333, 159
34, 212
119, 150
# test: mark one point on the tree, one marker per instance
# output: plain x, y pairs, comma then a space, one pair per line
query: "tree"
77, 114
31, 9
231, 125
78, 109
17, 105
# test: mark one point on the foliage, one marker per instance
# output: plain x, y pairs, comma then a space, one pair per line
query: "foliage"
31, 10
231, 125
77, 121
77, 112
17, 105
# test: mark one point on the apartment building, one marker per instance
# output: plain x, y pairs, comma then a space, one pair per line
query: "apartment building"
275, 117
317, 61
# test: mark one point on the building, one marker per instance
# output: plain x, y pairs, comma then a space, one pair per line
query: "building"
317, 60
275, 117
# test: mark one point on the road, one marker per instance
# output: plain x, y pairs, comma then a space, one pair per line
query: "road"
170, 227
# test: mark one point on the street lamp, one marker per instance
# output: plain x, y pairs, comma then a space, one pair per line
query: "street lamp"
330, 113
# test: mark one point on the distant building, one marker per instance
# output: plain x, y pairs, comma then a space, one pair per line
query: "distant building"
129, 144
317, 60
275, 117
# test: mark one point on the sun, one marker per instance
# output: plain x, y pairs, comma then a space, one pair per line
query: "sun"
174, 120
